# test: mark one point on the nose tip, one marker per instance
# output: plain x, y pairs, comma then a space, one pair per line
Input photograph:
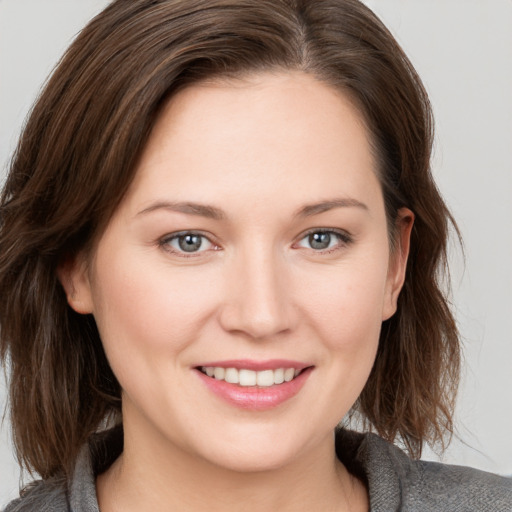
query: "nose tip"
258, 305
256, 328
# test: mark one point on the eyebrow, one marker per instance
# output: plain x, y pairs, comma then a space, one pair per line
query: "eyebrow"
212, 212
324, 206
201, 210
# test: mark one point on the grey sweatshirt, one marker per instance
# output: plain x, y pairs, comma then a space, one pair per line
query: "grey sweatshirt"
395, 482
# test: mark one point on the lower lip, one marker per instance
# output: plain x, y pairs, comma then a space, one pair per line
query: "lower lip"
252, 397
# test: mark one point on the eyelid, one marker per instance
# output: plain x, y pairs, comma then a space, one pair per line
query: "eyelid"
345, 238
164, 243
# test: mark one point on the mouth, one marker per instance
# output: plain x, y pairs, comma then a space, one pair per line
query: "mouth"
246, 377
251, 385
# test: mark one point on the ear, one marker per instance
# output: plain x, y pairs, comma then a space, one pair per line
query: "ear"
74, 278
398, 261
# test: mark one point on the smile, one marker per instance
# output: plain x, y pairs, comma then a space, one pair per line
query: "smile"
246, 378
254, 385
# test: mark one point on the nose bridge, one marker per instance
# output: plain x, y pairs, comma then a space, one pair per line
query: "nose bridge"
258, 301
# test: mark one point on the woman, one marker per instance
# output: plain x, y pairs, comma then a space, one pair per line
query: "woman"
220, 237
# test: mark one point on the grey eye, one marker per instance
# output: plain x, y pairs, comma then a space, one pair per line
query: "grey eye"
188, 243
324, 239
319, 241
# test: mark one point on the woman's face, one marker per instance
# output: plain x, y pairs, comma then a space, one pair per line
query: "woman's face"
252, 245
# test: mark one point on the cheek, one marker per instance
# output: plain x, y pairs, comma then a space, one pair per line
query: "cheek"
146, 313
341, 308
346, 303
350, 329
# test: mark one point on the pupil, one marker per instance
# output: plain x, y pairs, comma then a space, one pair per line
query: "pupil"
190, 243
319, 240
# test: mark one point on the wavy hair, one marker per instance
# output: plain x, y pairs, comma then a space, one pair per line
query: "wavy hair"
77, 156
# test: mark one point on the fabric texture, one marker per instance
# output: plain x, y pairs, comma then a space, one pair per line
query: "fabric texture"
396, 483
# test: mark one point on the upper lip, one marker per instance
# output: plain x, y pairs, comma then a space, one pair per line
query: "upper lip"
250, 364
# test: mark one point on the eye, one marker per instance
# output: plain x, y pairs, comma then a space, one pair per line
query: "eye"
324, 239
187, 242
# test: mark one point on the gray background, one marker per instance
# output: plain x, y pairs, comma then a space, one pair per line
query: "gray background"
463, 51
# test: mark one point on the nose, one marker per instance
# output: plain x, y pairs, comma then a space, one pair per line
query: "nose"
258, 297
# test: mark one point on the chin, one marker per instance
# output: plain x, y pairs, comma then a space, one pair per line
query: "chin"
253, 453
253, 461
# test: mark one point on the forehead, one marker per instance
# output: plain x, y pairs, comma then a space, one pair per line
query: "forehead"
261, 136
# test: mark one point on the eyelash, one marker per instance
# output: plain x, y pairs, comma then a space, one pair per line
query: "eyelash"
344, 239
166, 241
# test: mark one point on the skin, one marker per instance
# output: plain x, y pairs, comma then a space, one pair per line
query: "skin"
259, 150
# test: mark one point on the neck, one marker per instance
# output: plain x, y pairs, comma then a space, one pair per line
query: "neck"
159, 476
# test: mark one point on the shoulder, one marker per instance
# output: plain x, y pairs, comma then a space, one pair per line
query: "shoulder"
397, 482
430, 486
78, 494
461, 488
47, 496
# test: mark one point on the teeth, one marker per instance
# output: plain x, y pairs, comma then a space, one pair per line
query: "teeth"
219, 373
231, 375
246, 378
289, 373
279, 376
243, 377
265, 378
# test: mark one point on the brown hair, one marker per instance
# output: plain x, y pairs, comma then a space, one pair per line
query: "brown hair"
77, 156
